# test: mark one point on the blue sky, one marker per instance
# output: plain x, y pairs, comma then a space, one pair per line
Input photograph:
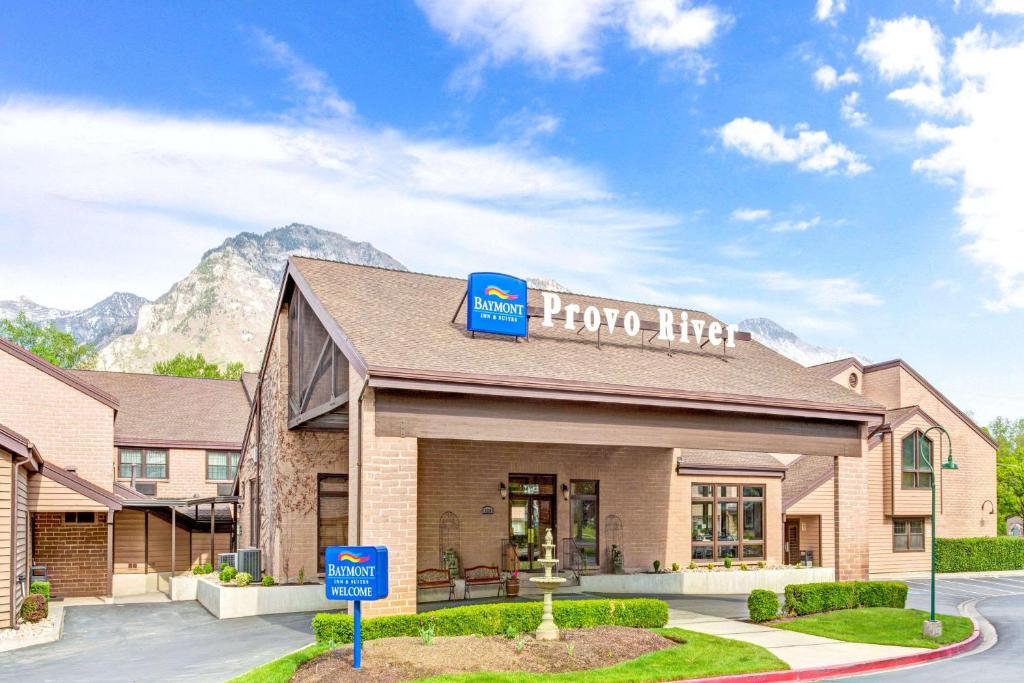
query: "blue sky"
848, 169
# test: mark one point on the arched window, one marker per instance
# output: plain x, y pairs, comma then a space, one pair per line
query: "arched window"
917, 470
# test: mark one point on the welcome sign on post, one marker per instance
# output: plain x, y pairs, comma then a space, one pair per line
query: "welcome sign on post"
357, 573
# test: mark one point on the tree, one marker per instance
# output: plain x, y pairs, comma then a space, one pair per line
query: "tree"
1009, 437
49, 343
184, 365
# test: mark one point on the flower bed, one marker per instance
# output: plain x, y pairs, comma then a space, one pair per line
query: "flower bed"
229, 601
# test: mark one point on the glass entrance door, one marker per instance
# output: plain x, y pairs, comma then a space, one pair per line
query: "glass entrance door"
531, 512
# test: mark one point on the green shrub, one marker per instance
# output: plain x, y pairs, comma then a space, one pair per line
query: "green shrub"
728, 563
498, 619
987, 554
675, 566
268, 580
40, 588
763, 605
882, 594
657, 566
812, 598
202, 569
34, 608
243, 579
227, 573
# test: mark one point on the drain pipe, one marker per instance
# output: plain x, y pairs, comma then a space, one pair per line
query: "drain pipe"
359, 462
15, 466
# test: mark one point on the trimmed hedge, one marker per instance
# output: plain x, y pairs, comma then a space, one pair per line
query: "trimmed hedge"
763, 605
40, 588
987, 554
812, 598
497, 619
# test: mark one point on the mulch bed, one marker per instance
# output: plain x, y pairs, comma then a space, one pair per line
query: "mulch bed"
404, 659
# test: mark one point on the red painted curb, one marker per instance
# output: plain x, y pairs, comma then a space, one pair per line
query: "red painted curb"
818, 673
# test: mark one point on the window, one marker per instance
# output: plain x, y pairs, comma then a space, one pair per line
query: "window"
583, 518
727, 520
146, 489
221, 465
143, 463
331, 514
79, 517
908, 535
916, 469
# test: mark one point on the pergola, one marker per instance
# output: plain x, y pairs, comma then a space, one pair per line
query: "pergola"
173, 504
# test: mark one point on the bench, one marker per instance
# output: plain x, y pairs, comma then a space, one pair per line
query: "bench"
483, 576
436, 578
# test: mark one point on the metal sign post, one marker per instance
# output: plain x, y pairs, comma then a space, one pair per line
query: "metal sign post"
356, 573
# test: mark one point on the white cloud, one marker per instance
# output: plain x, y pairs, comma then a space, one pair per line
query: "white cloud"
120, 198
789, 225
903, 47
831, 293
670, 26
983, 153
848, 110
737, 250
747, 215
526, 125
1004, 6
321, 96
827, 78
810, 150
828, 10
928, 97
567, 36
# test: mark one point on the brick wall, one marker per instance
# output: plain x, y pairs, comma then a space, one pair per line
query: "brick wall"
850, 501
186, 475
67, 426
75, 554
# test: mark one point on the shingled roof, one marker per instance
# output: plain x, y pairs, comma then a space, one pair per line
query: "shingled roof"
833, 368
710, 459
804, 475
403, 320
158, 410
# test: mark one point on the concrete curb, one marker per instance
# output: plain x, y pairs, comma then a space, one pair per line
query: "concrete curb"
818, 673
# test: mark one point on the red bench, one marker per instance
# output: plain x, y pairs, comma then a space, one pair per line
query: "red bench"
483, 576
436, 578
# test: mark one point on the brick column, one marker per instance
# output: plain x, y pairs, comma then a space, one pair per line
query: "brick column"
386, 503
851, 516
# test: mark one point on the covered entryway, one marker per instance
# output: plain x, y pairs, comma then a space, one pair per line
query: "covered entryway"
531, 512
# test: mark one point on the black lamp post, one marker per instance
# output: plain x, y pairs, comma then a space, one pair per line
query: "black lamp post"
933, 627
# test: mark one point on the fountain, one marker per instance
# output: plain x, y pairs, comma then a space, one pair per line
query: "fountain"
547, 583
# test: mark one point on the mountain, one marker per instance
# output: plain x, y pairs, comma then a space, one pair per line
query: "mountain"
781, 340
546, 284
97, 325
224, 307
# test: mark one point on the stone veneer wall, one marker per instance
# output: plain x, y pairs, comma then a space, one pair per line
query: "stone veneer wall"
75, 555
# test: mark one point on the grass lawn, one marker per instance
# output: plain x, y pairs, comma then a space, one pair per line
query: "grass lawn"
881, 626
698, 655
281, 670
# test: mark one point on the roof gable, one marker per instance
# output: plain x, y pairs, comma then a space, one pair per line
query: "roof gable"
401, 320
65, 376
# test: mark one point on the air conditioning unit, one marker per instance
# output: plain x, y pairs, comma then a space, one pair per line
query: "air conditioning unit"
226, 560
249, 561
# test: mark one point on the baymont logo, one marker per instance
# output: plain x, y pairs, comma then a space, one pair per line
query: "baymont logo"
353, 558
500, 293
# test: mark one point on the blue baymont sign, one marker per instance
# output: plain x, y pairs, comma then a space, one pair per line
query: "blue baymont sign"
356, 572
497, 304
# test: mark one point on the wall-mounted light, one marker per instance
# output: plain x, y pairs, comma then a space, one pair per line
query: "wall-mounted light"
565, 491
503, 490
991, 507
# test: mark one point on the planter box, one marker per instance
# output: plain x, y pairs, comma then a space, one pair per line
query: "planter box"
184, 587
733, 582
228, 602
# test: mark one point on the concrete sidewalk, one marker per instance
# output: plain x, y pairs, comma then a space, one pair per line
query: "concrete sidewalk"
798, 650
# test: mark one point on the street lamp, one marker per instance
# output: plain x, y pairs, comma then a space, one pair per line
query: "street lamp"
933, 627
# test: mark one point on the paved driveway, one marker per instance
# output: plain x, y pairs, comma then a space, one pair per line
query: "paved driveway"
178, 641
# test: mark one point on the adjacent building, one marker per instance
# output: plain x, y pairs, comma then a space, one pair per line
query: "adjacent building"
380, 418
96, 468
